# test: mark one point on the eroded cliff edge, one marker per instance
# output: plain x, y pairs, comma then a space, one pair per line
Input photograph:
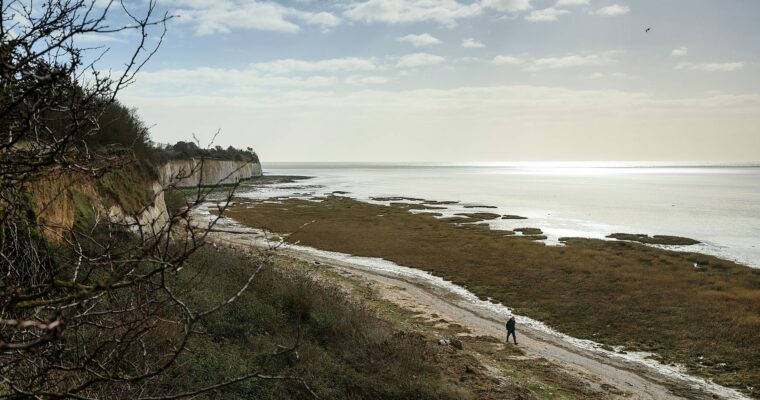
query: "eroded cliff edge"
206, 172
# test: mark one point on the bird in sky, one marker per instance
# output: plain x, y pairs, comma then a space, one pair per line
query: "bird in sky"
647, 30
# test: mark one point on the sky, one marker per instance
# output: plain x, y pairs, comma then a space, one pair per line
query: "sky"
455, 80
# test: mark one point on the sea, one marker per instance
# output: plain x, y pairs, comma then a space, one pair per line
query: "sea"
717, 204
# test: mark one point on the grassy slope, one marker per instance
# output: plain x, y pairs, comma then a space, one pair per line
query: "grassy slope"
352, 346
617, 293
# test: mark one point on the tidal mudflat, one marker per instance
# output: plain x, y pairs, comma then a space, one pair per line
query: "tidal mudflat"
619, 293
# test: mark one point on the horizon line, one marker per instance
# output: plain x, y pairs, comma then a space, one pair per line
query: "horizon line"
536, 164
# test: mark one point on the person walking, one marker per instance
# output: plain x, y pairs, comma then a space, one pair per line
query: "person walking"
511, 329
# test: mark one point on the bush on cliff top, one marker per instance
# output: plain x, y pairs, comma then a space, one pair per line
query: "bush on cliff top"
186, 150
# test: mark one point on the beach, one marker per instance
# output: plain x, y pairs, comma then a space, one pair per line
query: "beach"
589, 369
647, 304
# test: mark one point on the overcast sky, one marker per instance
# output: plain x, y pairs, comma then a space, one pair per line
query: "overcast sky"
458, 80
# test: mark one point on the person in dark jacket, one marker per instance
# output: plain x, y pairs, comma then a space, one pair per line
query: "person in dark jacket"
511, 329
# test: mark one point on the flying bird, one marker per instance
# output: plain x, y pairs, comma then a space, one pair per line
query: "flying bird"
647, 30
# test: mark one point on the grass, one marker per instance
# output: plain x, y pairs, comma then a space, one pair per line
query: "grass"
344, 351
656, 239
614, 292
351, 346
529, 231
481, 216
83, 209
128, 187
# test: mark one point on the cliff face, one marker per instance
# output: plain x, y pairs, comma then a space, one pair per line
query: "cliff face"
135, 203
188, 173
152, 219
126, 196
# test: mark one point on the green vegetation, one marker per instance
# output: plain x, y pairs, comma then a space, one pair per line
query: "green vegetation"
613, 292
397, 198
509, 216
480, 216
186, 150
129, 187
413, 206
656, 239
83, 210
350, 345
443, 202
529, 231
120, 129
343, 350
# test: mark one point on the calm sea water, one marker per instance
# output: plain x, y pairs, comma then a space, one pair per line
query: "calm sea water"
718, 205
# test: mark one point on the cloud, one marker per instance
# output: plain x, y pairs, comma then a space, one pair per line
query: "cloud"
680, 52
614, 75
522, 97
711, 67
511, 120
547, 14
507, 5
571, 3
97, 38
287, 66
424, 39
224, 16
445, 12
211, 81
560, 62
471, 43
367, 80
290, 73
419, 60
507, 60
569, 61
614, 10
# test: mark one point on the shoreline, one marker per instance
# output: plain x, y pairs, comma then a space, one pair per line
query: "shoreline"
519, 164
645, 377
544, 219
287, 215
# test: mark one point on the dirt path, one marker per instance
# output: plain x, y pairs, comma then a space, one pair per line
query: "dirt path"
420, 299
618, 378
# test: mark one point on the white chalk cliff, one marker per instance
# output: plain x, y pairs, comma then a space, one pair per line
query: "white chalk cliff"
188, 173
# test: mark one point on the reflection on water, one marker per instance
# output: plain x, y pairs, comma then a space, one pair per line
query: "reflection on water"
718, 205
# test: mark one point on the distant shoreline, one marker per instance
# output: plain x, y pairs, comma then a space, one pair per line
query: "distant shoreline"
523, 164
720, 236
